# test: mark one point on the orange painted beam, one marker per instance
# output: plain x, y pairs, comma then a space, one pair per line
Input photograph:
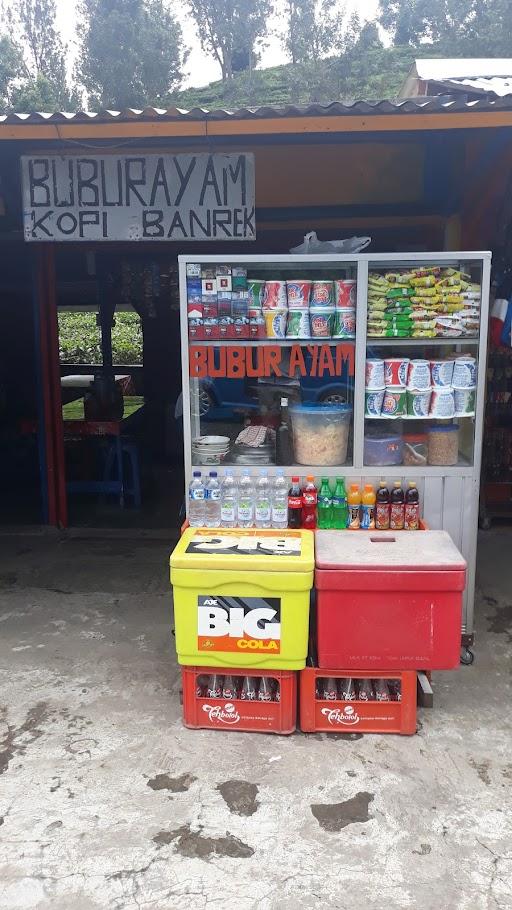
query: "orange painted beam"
126, 129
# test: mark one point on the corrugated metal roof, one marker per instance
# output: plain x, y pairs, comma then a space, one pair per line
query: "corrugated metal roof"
499, 85
440, 69
417, 105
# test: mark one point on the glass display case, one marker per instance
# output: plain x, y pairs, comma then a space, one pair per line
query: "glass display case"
366, 366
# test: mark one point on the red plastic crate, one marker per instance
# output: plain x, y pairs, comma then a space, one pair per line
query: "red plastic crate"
248, 716
317, 715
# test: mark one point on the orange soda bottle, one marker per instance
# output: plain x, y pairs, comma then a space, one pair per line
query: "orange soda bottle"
368, 508
354, 507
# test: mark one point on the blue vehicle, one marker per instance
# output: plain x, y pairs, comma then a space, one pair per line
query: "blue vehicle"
222, 399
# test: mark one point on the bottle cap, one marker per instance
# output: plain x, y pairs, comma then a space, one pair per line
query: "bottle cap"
397, 483
412, 483
368, 487
213, 473
310, 477
295, 479
197, 473
354, 487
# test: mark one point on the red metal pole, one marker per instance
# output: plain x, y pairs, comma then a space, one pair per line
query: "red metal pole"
54, 378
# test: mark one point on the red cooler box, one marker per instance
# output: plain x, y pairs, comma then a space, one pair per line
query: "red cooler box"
388, 600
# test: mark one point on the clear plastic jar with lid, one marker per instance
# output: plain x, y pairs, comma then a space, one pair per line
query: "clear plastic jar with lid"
443, 444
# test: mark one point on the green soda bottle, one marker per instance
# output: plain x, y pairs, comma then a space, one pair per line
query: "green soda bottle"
324, 507
339, 505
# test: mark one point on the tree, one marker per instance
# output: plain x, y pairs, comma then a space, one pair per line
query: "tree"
471, 27
229, 29
132, 52
11, 68
314, 29
32, 23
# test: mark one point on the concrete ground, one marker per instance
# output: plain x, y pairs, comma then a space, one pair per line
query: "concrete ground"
106, 801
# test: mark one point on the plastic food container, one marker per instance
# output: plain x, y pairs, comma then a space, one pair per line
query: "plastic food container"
418, 374
373, 399
418, 402
274, 295
383, 449
256, 289
442, 403
395, 401
464, 402
464, 373
322, 322
320, 433
346, 292
298, 292
395, 371
297, 325
275, 323
442, 372
322, 294
415, 449
386, 599
443, 445
374, 378
344, 323
241, 597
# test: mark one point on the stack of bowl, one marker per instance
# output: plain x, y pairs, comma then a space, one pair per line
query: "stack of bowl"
210, 449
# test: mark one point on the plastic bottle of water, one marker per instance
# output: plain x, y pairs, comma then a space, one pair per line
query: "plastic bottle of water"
263, 511
212, 501
280, 501
228, 501
196, 502
245, 507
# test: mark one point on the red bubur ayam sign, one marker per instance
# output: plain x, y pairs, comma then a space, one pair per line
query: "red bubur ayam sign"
253, 362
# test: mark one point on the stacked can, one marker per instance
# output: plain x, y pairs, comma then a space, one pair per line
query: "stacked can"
275, 308
345, 295
298, 294
256, 291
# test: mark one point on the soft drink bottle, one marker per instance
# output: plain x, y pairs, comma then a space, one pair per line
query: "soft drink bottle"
249, 689
339, 505
366, 690
382, 507
277, 689
381, 690
245, 507
329, 690
228, 501
348, 689
215, 686
229, 688
294, 504
397, 514
201, 683
324, 505
196, 515
412, 508
265, 689
263, 509
354, 507
283, 438
309, 503
368, 508
280, 501
212, 503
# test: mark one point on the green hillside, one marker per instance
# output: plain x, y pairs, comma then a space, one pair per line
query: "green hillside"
373, 74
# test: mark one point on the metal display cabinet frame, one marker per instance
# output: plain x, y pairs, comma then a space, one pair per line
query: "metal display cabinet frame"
449, 495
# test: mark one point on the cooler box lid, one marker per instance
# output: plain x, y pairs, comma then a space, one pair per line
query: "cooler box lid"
245, 549
387, 551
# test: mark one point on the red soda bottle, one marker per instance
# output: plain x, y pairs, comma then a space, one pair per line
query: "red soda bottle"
366, 690
329, 690
265, 690
249, 689
277, 690
382, 690
309, 503
201, 682
348, 690
229, 688
397, 516
382, 507
295, 504
215, 686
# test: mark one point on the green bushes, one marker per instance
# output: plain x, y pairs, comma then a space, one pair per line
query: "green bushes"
80, 338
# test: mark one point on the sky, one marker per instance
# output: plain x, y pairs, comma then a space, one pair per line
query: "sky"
201, 69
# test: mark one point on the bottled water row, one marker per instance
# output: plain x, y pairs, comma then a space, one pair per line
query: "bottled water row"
244, 502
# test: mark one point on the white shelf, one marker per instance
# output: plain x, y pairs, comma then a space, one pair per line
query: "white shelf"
417, 342
260, 342
413, 417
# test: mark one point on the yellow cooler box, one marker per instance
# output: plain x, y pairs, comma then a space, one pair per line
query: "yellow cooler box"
241, 597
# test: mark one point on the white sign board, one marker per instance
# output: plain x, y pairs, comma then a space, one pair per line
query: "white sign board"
138, 197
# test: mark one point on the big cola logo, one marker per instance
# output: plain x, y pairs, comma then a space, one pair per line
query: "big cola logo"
224, 714
347, 716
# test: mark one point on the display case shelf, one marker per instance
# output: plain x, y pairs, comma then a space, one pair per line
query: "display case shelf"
376, 341
414, 417
264, 342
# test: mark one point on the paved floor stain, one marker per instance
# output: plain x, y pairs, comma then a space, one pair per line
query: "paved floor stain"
193, 844
174, 784
17, 739
500, 622
335, 816
240, 796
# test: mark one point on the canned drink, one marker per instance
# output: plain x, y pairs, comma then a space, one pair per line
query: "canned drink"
274, 296
298, 293
346, 293
344, 323
464, 373
374, 378
297, 325
418, 374
442, 403
442, 372
395, 371
322, 293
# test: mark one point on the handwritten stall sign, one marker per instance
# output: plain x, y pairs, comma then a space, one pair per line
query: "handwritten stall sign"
139, 197
315, 360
